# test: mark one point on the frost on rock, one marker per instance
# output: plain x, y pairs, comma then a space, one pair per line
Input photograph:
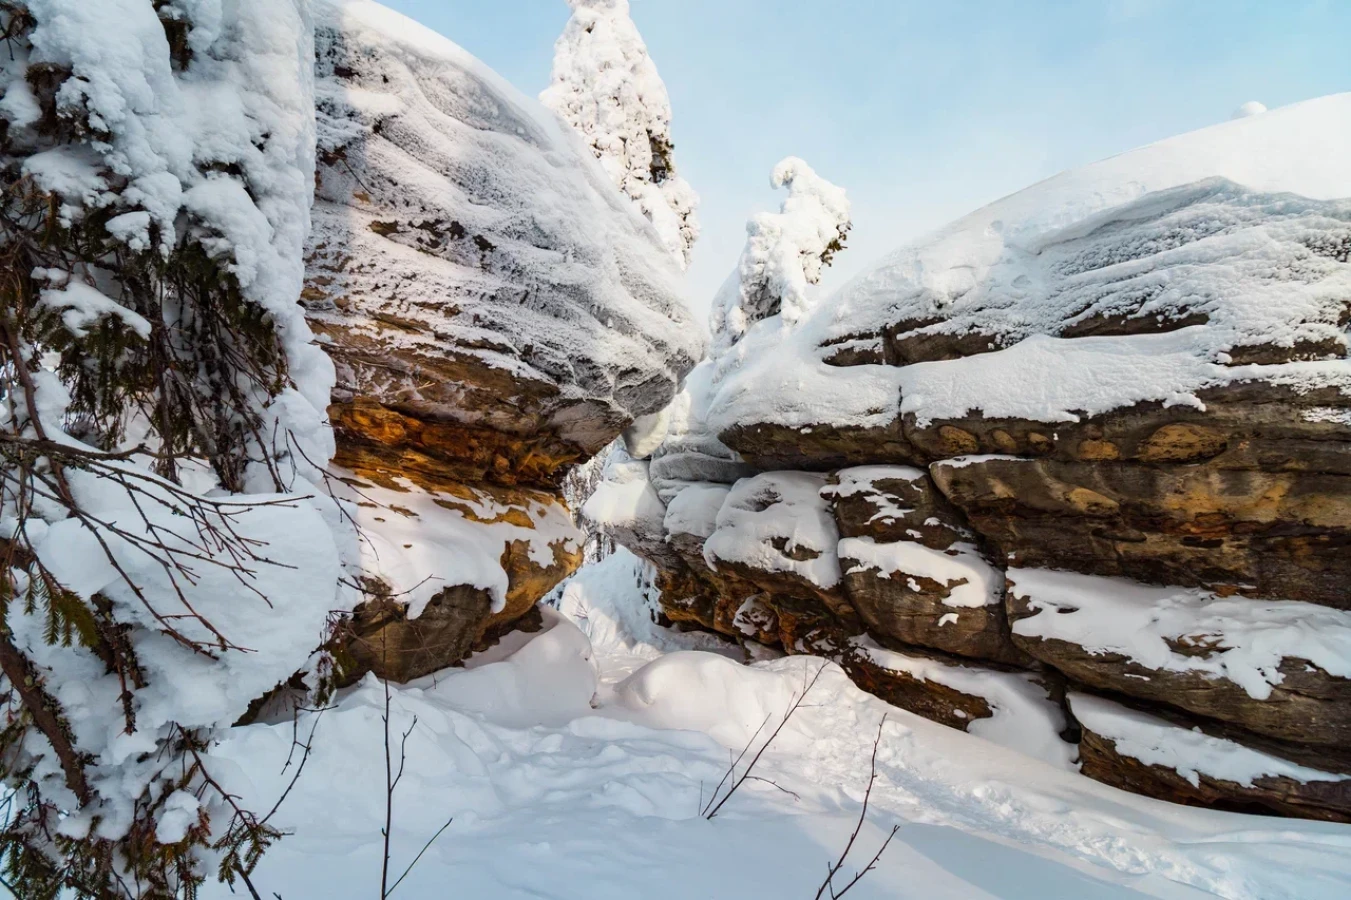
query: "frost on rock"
784, 255
472, 267
606, 87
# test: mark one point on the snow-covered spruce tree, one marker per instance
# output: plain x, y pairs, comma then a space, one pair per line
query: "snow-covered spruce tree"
606, 87
163, 557
785, 253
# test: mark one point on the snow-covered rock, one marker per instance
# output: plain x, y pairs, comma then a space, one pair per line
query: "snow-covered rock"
1148, 754
1280, 669
1156, 278
1125, 391
498, 312
472, 270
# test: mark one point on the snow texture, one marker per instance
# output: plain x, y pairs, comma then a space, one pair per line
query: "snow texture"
694, 510
972, 582
1243, 640
167, 137
691, 451
219, 155
508, 244
1189, 752
778, 522
1024, 718
784, 255
420, 542
569, 775
1237, 226
607, 88
624, 499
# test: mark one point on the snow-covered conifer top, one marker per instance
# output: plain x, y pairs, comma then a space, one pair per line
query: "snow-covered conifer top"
606, 87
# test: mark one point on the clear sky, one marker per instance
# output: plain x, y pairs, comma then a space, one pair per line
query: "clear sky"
925, 110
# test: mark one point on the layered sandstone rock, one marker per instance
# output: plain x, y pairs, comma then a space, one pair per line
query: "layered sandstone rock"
1099, 432
910, 568
1151, 755
497, 313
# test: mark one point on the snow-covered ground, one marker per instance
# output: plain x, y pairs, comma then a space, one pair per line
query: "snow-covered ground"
573, 763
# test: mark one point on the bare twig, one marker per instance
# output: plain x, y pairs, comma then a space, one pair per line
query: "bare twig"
829, 884
712, 809
392, 778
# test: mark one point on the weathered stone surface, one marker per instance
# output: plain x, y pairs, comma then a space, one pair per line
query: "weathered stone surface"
776, 531
382, 639
380, 636
1173, 652
941, 688
909, 568
819, 448
1133, 758
911, 610
893, 503
1282, 535
496, 313
1245, 425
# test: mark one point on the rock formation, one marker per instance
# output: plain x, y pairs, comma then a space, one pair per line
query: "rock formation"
1081, 460
497, 313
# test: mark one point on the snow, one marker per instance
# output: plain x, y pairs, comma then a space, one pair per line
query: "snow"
1251, 108
168, 132
615, 605
1222, 223
607, 88
1024, 718
972, 582
577, 293
163, 156
691, 451
1189, 752
594, 794
420, 542
778, 522
82, 305
273, 616
624, 498
1247, 639
695, 510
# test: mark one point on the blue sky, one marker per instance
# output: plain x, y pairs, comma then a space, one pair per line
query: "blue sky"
924, 110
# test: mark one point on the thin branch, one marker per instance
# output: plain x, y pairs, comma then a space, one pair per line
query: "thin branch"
424, 849
797, 704
829, 883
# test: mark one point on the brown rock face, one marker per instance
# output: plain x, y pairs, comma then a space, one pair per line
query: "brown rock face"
909, 568
1305, 705
912, 611
1282, 535
1312, 795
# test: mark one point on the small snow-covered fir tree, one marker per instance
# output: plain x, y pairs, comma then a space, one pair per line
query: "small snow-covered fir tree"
164, 556
785, 253
606, 87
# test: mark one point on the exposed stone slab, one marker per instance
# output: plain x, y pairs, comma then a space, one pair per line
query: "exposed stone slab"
1273, 534
1148, 755
1277, 669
